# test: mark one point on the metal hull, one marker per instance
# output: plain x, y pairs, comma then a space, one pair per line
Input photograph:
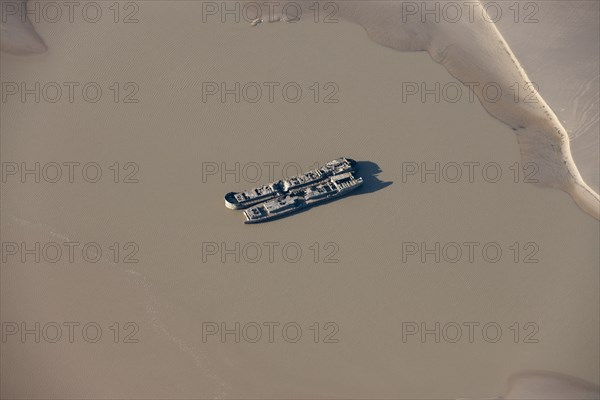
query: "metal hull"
303, 206
243, 200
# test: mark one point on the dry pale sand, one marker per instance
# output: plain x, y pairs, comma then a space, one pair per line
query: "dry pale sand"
171, 212
559, 49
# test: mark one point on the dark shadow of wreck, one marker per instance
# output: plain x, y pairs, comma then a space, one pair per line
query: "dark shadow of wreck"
368, 170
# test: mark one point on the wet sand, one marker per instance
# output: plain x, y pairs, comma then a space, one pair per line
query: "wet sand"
369, 293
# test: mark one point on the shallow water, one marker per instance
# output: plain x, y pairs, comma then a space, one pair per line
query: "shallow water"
175, 291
